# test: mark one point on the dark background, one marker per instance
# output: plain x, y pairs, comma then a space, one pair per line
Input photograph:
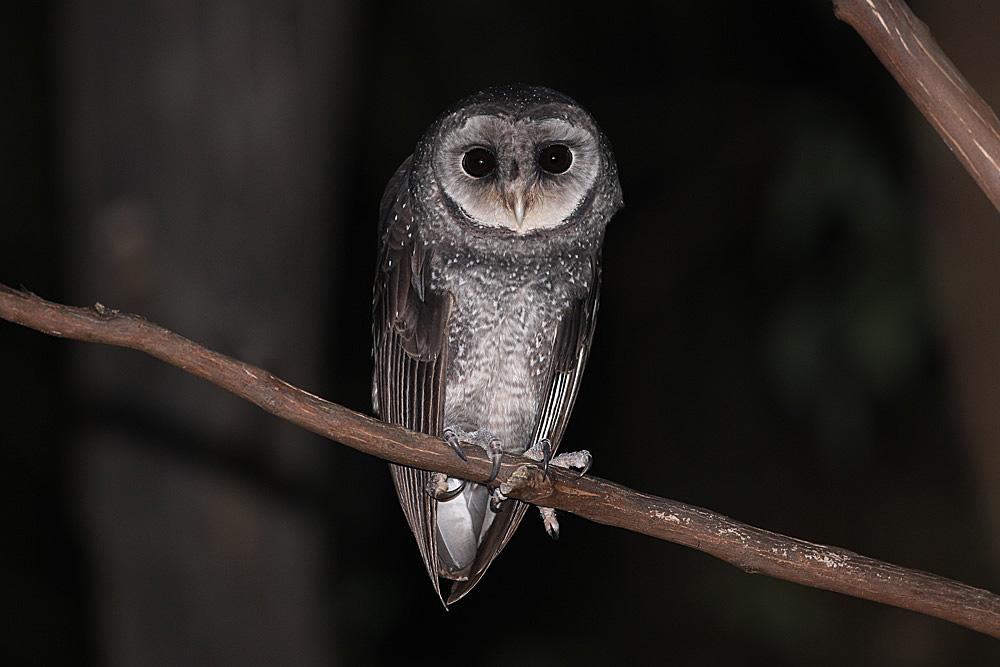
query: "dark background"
799, 328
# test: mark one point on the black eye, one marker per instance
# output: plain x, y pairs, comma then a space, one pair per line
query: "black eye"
479, 162
555, 159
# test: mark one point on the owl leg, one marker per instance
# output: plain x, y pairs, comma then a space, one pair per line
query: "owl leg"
456, 437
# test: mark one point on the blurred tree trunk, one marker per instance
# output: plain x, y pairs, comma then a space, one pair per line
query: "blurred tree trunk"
963, 234
197, 179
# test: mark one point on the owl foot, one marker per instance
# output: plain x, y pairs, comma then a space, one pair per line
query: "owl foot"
456, 437
580, 460
550, 521
521, 477
542, 451
497, 499
438, 489
499, 495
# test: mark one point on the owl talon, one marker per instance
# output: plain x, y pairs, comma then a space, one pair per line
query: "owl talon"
451, 494
437, 488
454, 441
495, 452
497, 499
456, 437
541, 451
550, 521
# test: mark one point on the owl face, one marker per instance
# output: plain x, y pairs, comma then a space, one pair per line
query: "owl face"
521, 172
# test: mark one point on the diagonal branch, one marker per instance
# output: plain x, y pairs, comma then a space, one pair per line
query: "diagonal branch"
751, 549
908, 50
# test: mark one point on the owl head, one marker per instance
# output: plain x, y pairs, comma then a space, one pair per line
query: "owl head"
520, 159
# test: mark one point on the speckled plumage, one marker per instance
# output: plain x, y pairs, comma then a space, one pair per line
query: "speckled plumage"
486, 327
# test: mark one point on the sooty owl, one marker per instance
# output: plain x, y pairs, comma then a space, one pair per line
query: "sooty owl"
484, 304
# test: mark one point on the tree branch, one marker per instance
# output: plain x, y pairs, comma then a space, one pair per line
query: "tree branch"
751, 549
908, 50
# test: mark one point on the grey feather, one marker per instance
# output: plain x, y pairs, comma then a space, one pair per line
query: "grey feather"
409, 340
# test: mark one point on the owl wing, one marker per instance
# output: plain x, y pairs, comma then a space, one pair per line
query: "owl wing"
570, 351
410, 349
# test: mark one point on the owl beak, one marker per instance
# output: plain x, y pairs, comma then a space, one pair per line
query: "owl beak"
516, 201
519, 207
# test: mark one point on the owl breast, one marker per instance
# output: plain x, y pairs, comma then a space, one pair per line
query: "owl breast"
500, 338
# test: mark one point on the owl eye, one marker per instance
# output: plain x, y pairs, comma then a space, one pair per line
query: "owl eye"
479, 162
555, 159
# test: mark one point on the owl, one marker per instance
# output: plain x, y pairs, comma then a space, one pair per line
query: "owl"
485, 298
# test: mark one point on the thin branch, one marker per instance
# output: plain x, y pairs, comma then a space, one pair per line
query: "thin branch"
751, 549
908, 50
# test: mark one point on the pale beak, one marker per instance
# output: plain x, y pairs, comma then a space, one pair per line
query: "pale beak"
515, 200
518, 208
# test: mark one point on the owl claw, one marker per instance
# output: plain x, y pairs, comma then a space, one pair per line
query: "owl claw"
455, 437
497, 499
495, 452
437, 488
550, 521
541, 451
451, 494
453, 440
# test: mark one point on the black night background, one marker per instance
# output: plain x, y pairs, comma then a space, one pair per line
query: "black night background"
799, 328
